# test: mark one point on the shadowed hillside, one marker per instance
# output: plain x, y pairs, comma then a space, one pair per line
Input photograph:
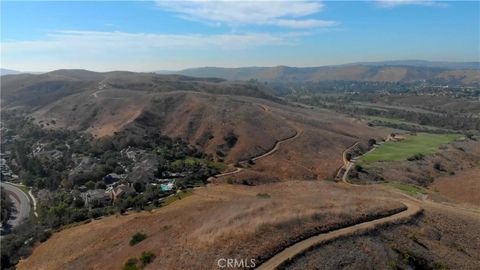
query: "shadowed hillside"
233, 121
35, 91
395, 72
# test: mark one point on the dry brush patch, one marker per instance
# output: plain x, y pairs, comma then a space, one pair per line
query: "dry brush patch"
207, 120
440, 237
462, 187
216, 222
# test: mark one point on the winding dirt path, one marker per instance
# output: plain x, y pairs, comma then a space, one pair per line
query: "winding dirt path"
270, 152
95, 94
277, 145
290, 253
237, 170
347, 164
298, 132
303, 246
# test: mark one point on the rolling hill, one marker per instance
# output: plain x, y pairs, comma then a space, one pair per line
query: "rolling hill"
272, 143
231, 120
4, 71
396, 71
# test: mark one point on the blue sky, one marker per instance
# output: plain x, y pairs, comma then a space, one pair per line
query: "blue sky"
172, 35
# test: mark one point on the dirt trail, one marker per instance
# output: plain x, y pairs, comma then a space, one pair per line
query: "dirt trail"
298, 132
347, 164
95, 94
413, 204
300, 247
472, 210
237, 170
277, 145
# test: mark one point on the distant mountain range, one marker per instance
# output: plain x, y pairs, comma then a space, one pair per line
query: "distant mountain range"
423, 63
4, 71
459, 73
466, 73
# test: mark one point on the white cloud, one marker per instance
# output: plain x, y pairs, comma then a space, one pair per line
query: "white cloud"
395, 3
234, 12
100, 41
131, 51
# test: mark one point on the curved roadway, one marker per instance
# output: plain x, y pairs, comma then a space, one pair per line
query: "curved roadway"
21, 202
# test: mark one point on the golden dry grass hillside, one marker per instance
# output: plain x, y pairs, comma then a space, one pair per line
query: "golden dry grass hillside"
232, 121
215, 222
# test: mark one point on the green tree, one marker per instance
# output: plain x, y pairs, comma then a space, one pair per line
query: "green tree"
147, 257
137, 238
90, 185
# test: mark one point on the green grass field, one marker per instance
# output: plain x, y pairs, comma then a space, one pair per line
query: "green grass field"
422, 143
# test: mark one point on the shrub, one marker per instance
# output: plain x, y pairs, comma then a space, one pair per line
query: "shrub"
231, 139
359, 168
439, 167
263, 195
96, 213
90, 185
137, 238
131, 264
147, 257
440, 266
416, 157
393, 265
100, 185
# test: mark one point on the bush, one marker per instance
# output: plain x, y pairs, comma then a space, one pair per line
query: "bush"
416, 157
440, 266
439, 167
131, 264
100, 185
137, 238
7, 207
263, 195
359, 168
231, 139
96, 213
90, 185
147, 257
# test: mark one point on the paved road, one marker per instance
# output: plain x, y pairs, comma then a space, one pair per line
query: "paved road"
300, 247
21, 202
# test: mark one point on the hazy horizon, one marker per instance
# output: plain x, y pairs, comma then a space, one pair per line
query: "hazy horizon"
233, 67
164, 35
